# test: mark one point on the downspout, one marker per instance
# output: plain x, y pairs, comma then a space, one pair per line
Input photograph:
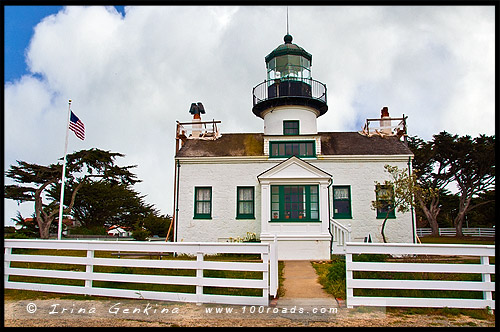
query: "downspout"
411, 205
177, 200
329, 216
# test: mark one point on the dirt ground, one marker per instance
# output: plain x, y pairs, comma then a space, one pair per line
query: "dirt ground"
143, 313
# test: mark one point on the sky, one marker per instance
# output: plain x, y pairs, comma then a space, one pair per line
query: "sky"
132, 72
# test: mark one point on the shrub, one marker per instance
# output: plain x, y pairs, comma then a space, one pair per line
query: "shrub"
140, 234
90, 230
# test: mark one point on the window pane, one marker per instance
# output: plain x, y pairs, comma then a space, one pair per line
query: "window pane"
274, 149
384, 196
341, 193
246, 207
203, 207
281, 149
246, 194
302, 149
342, 207
203, 194
291, 127
310, 149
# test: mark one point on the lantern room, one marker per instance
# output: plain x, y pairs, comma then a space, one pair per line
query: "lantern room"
288, 62
289, 81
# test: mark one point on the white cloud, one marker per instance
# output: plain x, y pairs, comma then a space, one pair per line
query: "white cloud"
130, 77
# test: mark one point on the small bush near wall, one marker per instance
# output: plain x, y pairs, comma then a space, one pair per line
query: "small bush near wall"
332, 276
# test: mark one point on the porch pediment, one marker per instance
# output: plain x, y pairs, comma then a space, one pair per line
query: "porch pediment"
294, 169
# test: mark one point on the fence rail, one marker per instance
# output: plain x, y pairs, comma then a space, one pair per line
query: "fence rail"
486, 232
399, 264
81, 269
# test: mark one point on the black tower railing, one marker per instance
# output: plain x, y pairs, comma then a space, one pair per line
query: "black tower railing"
272, 93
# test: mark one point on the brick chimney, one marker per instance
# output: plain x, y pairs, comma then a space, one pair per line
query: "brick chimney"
385, 121
197, 110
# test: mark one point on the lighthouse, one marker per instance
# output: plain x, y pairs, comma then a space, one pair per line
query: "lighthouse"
307, 191
289, 100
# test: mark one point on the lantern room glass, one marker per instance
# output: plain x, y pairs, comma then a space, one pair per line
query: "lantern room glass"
289, 67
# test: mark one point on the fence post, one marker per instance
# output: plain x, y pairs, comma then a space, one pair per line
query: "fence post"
199, 277
486, 278
89, 269
348, 279
273, 267
7, 253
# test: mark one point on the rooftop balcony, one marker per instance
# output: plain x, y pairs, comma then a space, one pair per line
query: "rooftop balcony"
306, 92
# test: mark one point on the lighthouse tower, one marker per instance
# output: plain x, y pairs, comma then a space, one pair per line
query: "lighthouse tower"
289, 100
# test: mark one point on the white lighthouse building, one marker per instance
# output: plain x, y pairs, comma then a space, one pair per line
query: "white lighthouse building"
289, 182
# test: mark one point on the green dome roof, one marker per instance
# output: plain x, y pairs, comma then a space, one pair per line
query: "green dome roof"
288, 49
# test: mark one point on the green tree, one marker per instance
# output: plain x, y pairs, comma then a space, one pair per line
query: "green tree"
485, 215
157, 225
472, 167
398, 198
103, 204
33, 181
27, 228
451, 159
430, 165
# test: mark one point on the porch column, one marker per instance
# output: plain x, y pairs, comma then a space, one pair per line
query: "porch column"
265, 200
323, 207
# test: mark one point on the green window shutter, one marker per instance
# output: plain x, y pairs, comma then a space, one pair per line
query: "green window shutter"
245, 203
203, 203
342, 202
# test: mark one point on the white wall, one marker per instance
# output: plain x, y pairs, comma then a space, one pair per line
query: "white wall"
223, 178
225, 174
273, 119
361, 176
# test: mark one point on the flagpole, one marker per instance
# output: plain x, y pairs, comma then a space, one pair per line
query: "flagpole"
61, 205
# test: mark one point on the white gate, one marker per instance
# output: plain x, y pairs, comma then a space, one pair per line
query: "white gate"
77, 262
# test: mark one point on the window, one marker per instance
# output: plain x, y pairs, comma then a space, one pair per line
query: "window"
295, 203
342, 202
245, 203
285, 149
291, 127
203, 202
385, 197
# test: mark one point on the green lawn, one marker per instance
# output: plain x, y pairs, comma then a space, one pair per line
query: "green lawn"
457, 240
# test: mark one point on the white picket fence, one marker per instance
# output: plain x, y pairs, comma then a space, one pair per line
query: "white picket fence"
141, 256
486, 286
486, 232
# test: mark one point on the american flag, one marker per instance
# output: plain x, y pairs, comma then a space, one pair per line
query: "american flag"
77, 126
